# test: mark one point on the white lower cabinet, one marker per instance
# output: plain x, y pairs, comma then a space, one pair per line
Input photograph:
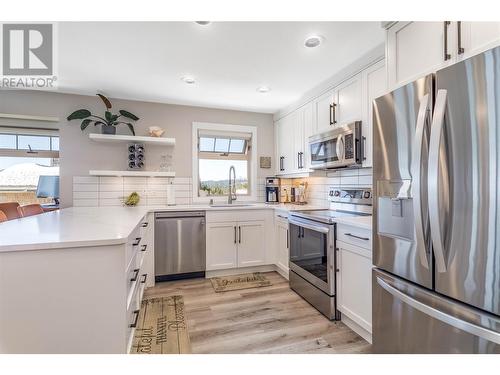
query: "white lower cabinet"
282, 244
251, 245
354, 285
222, 248
237, 239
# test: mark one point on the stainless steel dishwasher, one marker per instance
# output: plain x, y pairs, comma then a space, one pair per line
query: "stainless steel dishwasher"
179, 245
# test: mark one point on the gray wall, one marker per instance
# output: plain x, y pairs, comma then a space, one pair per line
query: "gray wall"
79, 154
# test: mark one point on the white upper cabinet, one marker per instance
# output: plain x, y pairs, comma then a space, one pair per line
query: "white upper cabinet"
374, 85
284, 129
415, 49
325, 111
348, 106
476, 37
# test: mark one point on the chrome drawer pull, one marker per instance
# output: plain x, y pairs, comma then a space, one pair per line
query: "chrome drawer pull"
137, 241
136, 275
145, 276
358, 237
144, 247
134, 324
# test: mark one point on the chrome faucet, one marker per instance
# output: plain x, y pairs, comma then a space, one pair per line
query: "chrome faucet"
232, 186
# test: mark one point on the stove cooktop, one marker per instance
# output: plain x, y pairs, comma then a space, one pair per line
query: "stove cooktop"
323, 216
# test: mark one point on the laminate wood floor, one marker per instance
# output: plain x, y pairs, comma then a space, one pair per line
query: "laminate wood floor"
271, 319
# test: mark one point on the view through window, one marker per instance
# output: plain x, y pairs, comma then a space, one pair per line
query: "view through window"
25, 155
216, 155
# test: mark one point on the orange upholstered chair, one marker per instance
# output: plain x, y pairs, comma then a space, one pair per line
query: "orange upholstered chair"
10, 210
30, 210
3, 217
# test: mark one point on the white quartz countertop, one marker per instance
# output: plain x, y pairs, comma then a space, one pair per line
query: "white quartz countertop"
100, 226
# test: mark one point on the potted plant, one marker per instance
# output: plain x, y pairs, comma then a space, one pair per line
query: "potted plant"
108, 122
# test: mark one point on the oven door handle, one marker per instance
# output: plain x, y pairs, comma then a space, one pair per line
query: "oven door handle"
308, 226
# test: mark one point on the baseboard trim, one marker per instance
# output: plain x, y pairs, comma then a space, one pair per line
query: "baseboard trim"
283, 272
356, 328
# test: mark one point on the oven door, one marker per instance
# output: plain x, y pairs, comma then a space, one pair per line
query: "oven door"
327, 152
311, 252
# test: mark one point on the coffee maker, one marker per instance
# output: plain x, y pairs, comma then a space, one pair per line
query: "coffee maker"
272, 190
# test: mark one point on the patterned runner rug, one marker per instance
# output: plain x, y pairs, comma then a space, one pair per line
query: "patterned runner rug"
161, 327
236, 282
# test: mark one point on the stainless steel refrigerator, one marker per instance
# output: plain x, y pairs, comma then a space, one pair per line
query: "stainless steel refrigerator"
436, 222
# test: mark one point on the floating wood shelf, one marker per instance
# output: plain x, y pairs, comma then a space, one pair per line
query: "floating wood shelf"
131, 173
130, 138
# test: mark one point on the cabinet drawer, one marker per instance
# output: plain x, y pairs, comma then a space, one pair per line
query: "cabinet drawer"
281, 216
235, 215
132, 245
355, 236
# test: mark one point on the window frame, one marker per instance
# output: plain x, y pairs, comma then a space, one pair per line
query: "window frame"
252, 160
32, 132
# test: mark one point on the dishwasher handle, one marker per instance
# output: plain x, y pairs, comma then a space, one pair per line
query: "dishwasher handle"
178, 215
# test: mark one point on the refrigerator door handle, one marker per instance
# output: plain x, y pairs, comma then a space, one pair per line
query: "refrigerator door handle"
440, 315
416, 171
433, 179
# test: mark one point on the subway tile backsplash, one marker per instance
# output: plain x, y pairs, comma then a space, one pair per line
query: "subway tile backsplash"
89, 191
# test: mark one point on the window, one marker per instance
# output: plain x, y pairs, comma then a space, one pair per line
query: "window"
25, 155
215, 149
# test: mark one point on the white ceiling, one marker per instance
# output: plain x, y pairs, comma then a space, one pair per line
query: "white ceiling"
146, 60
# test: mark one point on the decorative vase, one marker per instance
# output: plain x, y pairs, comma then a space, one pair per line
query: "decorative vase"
108, 129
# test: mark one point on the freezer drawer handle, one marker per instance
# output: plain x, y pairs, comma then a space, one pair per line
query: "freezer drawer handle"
439, 315
461, 49
134, 324
358, 237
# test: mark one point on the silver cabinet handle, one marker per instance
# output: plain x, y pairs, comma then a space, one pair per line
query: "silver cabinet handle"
331, 114
447, 56
433, 179
460, 49
358, 237
440, 315
334, 106
239, 234
416, 171
235, 234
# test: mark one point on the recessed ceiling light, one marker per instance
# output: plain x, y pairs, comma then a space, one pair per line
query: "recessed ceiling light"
202, 23
189, 80
263, 89
313, 41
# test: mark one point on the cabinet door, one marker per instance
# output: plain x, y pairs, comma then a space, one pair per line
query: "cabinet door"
222, 246
477, 37
349, 100
309, 129
324, 120
354, 284
251, 243
417, 48
282, 244
374, 85
286, 144
298, 140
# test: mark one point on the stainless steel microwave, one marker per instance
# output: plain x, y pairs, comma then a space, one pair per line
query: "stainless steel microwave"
337, 148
